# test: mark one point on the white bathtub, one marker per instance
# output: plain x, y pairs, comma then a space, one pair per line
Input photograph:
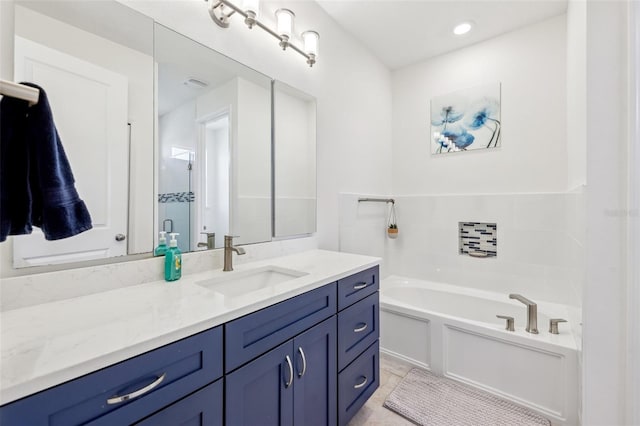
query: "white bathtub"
454, 331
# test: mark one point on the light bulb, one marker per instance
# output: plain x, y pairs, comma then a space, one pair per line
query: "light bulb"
284, 22
310, 40
462, 28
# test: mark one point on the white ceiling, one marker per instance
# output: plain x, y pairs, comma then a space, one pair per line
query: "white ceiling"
401, 32
180, 58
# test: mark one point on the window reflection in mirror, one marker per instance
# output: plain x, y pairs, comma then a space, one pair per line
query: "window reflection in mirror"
214, 145
294, 114
95, 62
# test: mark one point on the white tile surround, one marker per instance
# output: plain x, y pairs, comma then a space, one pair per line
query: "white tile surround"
540, 237
28, 290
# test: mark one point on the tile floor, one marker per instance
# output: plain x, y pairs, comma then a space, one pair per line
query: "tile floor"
373, 413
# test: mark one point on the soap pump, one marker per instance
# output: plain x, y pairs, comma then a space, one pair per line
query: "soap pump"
173, 260
162, 245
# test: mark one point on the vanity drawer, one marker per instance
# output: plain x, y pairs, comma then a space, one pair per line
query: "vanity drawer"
153, 380
357, 329
254, 334
359, 285
203, 408
357, 383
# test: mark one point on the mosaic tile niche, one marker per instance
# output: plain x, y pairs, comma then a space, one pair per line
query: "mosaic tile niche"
478, 239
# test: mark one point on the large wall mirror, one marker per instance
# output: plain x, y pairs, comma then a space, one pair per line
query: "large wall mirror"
95, 62
162, 133
294, 157
214, 145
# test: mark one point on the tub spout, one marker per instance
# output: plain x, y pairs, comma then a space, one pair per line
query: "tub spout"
532, 313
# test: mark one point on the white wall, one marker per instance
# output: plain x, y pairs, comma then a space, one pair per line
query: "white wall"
352, 88
295, 155
251, 205
633, 314
530, 64
576, 133
521, 186
604, 303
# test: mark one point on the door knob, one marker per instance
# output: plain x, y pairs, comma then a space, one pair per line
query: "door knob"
120, 237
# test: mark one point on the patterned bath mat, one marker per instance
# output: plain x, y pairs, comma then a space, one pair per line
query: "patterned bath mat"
429, 400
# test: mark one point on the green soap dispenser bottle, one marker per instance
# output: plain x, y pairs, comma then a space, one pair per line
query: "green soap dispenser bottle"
173, 260
162, 245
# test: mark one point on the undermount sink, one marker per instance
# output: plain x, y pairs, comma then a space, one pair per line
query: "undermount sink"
240, 283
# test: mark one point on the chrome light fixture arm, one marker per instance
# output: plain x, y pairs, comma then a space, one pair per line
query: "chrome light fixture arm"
221, 10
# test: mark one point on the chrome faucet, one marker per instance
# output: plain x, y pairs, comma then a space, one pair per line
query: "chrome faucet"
228, 256
211, 240
532, 313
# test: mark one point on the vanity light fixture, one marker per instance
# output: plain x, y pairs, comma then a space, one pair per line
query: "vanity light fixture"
463, 28
221, 10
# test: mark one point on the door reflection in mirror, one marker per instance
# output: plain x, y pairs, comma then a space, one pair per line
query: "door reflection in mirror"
214, 145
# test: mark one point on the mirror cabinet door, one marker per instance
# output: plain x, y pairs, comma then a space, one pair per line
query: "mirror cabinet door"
214, 145
98, 77
294, 156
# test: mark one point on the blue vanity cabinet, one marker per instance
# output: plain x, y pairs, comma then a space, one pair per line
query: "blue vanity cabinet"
293, 384
303, 361
359, 328
256, 333
202, 408
126, 392
357, 382
357, 286
316, 375
261, 392
358, 336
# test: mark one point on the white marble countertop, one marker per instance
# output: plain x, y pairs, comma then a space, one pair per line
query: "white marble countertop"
48, 344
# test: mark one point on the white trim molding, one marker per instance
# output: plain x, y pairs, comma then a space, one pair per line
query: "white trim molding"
633, 308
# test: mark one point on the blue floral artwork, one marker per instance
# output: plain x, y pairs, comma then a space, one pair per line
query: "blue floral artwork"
466, 120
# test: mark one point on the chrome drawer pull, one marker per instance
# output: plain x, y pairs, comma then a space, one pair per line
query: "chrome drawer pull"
288, 383
359, 385
304, 362
149, 387
360, 329
360, 286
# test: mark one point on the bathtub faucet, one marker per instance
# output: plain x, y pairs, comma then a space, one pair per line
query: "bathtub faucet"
532, 313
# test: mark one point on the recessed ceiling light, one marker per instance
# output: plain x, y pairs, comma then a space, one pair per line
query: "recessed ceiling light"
462, 28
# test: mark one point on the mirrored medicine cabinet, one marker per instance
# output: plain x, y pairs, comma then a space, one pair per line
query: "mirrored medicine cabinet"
163, 133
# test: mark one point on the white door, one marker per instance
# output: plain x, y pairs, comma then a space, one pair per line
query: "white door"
89, 106
213, 163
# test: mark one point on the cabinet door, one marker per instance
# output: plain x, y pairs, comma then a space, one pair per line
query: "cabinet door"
315, 390
261, 392
203, 408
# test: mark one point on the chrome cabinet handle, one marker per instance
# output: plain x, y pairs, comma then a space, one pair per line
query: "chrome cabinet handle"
360, 286
359, 385
304, 362
360, 329
134, 394
288, 383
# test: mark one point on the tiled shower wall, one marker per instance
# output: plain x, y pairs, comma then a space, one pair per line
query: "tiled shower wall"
540, 241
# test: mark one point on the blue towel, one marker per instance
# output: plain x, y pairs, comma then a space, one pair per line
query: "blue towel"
36, 182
